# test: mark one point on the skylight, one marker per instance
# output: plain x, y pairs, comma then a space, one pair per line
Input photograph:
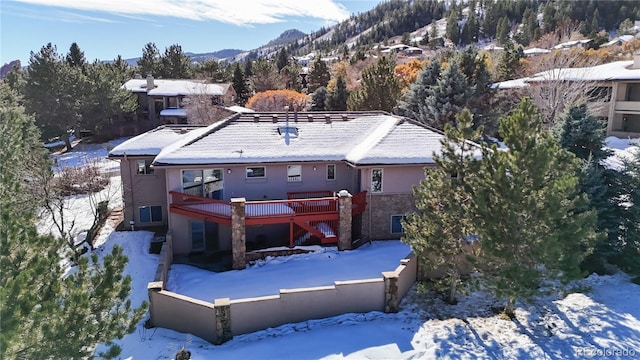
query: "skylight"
292, 131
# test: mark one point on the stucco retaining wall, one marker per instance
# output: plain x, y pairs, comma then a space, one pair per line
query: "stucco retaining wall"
185, 314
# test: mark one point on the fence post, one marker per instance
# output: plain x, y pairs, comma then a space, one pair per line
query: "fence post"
391, 296
223, 320
344, 227
238, 233
153, 287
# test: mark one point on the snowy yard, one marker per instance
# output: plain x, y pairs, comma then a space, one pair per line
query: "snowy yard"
596, 317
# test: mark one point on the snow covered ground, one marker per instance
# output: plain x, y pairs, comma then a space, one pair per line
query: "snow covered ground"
593, 318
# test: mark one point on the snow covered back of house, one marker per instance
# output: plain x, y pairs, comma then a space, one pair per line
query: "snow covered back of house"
595, 317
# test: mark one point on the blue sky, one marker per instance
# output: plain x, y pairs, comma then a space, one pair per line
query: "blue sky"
106, 28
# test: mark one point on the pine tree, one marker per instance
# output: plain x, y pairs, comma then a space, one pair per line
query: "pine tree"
629, 255
44, 314
318, 99
453, 28
530, 212
54, 92
409, 106
440, 227
282, 60
446, 98
584, 135
240, 85
75, 57
319, 75
149, 63
380, 87
175, 64
337, 98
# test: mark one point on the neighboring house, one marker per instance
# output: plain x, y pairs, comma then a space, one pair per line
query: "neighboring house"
186, 178
615, 90
535, 51
584, 43
162, 101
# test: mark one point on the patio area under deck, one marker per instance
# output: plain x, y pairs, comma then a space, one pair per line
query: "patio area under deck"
313, 215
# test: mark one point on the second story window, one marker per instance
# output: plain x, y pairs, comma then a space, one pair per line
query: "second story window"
294, 173
331, 172
144, 167
256, 172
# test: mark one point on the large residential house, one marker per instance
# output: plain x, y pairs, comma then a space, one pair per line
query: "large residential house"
163, 101
284, 179
614, 91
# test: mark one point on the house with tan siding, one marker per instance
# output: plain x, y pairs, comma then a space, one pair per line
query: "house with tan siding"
289, 179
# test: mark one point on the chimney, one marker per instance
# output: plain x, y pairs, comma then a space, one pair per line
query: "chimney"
150, 84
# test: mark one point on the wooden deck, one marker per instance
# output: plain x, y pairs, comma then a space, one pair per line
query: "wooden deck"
309, 214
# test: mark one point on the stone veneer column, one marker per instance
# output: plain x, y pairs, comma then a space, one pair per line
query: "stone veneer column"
344, 226
223, 320
391, 298
238, 233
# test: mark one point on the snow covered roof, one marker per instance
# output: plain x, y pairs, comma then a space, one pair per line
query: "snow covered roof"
618, 40
171, 87
152, 142
174, 112
365, 138
614, 71
536, 51
572, 43
239, 109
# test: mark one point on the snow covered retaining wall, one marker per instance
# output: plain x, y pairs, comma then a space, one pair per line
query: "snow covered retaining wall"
219, 321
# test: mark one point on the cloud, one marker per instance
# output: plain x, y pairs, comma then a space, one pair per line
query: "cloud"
238, 12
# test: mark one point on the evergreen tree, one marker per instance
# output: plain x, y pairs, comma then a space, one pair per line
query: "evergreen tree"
319, 75
43, 313
282, 60
149, 63
452, 30
318, 99
337, 97
509, 66
53, 93
240, 85
502, 30
446, 98
75, 57
290, 75
530, 213
380, 86
410, 104
248, 68
441, 225
628, 257
584, 135
175, 64
470, 29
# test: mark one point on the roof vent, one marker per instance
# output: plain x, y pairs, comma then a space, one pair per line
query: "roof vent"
292, 131
327, 119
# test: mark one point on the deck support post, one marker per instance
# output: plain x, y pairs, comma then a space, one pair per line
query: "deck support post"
238, 233
344, 226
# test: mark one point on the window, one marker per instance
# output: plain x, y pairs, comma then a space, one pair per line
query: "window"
143, 167
205, 183
294, 173
396, 224
331, 172
197, 235
256, 172
376, 180
150, 214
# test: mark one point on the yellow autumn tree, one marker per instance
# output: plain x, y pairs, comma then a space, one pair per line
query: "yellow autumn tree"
276, 100
408, 72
